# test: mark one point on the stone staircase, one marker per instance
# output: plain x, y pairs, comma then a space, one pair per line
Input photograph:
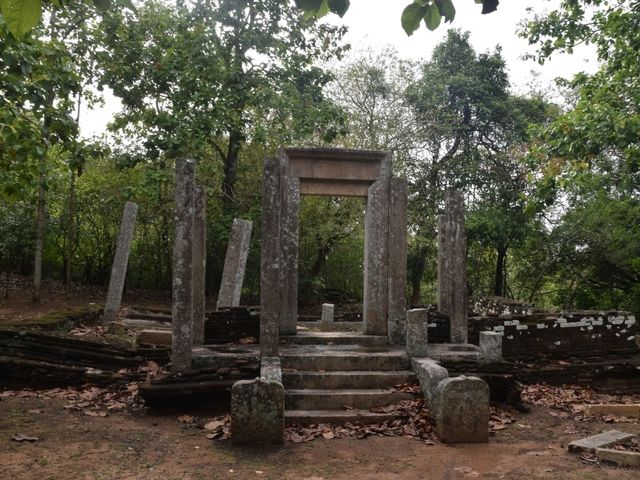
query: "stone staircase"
337, 377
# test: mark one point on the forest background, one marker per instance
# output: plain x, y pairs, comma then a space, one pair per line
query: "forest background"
550, 176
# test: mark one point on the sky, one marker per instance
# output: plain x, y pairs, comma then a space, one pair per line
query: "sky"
376, 24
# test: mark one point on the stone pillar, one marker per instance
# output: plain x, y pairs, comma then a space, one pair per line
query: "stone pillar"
235, 263
270, 260
120, 262
417, 333
376, 254
396, 327
199, 263
491, 346
289, 230
328, 313
444, 278
457, 252
182, 307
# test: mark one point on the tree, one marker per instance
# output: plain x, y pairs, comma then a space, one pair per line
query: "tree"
24, 15
203, 79
474, 129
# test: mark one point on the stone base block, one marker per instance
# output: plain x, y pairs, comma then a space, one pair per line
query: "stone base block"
257, 412
462, 413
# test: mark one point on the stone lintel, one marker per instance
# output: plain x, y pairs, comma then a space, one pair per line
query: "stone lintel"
334, 188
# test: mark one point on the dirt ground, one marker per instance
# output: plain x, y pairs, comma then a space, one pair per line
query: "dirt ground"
148, 445
144, 444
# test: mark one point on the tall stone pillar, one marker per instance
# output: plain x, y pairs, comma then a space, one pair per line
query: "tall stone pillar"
444, 277
199, 263
457, 253
397, 328
289, 227
270, 260
182, 307
376, 253
235, 263
120, 262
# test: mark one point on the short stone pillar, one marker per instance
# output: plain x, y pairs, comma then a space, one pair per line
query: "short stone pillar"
417, 332
120, 262
328, 313
235, 264
199, 264
491, 346
452, 274
182, 305
257, 406
462, 411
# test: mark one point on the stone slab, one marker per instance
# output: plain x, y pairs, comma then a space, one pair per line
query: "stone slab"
429, 374
153, 337
454, 351
619, 457
601, 440
235, 263
315, 417
330, 399
462, 410
491, 346
120, 262
328, 312
631, 411
346, 379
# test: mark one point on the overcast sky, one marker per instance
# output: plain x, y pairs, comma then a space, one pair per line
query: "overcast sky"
376, 23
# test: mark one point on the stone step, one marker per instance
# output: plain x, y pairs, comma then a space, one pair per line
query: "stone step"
309, 358
352, 379
335, 338
339, 417
341, 399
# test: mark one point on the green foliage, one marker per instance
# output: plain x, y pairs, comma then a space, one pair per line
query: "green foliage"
21, 15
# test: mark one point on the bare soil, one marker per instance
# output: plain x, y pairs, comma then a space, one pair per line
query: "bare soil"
143, 444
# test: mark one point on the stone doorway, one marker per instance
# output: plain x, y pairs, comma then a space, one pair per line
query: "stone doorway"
333, 172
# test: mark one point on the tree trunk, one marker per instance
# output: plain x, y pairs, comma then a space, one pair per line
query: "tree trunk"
41, 212
70, 230
230, 162
500, 280
415, 277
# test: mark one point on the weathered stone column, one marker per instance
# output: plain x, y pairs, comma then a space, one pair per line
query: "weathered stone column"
270, 260
182, 307
396, 327
120, 262
289, 226
376, 254
199, 263
235, 263
444, 277
457, 252
417, 333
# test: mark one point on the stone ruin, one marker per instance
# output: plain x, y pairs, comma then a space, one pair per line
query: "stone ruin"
307, 372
